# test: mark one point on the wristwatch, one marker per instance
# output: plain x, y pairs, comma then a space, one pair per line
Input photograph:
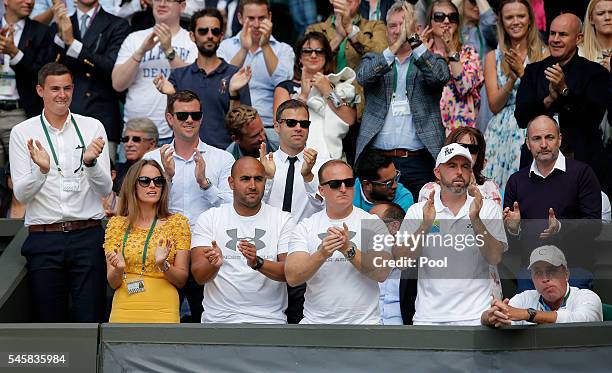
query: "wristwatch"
259, 264
165, 267
93, 163
170, 55
565, 92
350, 253
532, 314
208, 184
335, 100
455, 57
414, 40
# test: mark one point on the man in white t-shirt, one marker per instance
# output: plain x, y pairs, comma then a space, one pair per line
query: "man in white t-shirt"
326, 253
461, 239
147, 53
553, 301
239, 251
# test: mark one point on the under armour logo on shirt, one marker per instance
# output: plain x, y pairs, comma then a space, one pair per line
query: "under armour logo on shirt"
255, 240
351, 235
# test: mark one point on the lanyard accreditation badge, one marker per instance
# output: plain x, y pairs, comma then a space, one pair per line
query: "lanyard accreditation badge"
137, 285
400, 107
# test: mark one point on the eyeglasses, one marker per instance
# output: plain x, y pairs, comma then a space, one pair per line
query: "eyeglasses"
548, 273
183, 115
136, 139
318, 51
388, 183
473, 148
305, 123
145, 181
335, 184
203, 31
439, 17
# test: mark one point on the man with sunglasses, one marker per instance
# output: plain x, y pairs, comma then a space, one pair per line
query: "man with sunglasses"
552, 301
378, 182
219, 85
139, 137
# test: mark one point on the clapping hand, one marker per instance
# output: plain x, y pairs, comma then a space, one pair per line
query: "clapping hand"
267, 160
39, 155
162, 251
214, 255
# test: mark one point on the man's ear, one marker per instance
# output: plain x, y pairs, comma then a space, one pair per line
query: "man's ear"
579, 38
230, 181
169, 119
437, 173
39, 90
240, 19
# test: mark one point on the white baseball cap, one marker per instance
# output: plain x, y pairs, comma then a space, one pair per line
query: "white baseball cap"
451, 150
550, 254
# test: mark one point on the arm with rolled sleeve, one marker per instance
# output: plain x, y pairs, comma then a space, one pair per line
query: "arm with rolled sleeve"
220, 192
99, 176
284, 68
26, 175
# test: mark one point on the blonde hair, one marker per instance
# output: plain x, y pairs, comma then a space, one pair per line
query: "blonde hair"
535, 46
457, 35
590, 47
128, 201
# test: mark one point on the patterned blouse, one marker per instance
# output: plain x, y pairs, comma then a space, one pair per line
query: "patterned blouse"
461, 96
176, 228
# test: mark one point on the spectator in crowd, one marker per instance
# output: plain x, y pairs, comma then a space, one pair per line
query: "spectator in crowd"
389, 300
461, 97
270, 60
63, 202
303, 14
219, 85
198, 171
553, 301
459, 293
88, 43
473, 140
10, 207
326, 253
519, 44
330, 97
24, 47
376, 10
378, 181
403, 87
138, 12
145, 279
144, 55
247, 131
239, 252
571, 88
291, 178
43, 11
139, 137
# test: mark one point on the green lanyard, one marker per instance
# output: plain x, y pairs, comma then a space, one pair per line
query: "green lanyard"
545, 306
341, 61
146, 244
76, 128
377, 14
395, 76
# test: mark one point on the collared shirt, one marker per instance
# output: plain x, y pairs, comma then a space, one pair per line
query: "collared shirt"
186, 196
559, 165
44, 195
262, 84
399, 132
403, 197
75, 48
303, 202
8, 82
41, 6
213, 91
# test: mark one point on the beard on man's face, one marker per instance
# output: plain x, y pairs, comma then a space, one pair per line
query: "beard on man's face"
206, 51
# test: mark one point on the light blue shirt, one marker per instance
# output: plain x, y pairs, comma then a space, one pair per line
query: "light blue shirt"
399, 132
262, 84
41, 6
389, 300
186, 196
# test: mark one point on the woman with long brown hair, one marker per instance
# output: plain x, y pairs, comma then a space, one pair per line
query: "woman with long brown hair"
147, 249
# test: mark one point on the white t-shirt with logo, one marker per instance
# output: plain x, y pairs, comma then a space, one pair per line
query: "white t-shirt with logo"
239, 294
337, 293
461, 291
143, 99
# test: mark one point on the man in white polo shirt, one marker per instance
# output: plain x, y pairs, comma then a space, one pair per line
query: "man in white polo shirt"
239, 251
462, 237
553, 301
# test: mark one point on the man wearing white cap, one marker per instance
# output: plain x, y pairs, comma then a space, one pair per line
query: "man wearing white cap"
553, 301
460, 239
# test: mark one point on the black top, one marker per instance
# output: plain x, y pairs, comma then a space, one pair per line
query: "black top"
290, 86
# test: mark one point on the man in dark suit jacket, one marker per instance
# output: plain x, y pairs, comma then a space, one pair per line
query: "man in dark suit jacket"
91, 58
24, 45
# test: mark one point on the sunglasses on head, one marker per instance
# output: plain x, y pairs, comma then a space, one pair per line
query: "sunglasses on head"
318, 51
136, 139
305, 123
183, 115
389, 183
203, 31
145, 181
473, 148
439, 17
335, 184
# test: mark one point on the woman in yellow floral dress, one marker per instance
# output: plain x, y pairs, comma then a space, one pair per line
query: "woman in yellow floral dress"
147, 249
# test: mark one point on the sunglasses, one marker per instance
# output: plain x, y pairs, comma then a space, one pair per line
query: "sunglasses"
439, 17
203, 31
335, 184
389, 183
183, 115
318, 51
473, 148
145, 181
136, 139
305, 123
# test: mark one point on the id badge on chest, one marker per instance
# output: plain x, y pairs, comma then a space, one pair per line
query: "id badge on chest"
135, 286
8, 84
400, 108
71, 184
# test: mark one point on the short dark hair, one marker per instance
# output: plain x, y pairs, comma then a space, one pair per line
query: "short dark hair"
242, 4
330, 163
369, 164
393, 212
52, 69
206, 12
181, 96
290, 104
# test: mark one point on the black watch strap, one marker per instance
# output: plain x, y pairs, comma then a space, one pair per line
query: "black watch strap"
259, 264
93, 163
532, 314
